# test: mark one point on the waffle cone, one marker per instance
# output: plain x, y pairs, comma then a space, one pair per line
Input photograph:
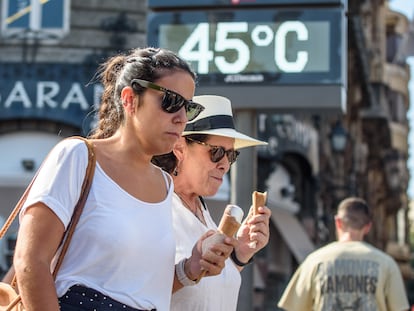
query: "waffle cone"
258, 199
228, 225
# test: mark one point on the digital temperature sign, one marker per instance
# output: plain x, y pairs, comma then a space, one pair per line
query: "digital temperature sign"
280, 59
255, 46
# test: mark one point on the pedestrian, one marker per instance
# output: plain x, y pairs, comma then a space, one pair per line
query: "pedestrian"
121, 255
348, 274
198, 162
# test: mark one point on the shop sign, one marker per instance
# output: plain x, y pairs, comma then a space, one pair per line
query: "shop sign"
54, 92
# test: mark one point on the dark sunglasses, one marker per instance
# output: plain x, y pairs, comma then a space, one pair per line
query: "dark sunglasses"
217, 152
172, 101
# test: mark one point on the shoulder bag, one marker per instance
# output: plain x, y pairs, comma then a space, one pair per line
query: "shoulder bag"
10, 299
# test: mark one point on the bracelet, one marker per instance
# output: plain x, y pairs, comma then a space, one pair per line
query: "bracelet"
181, 275
236, 260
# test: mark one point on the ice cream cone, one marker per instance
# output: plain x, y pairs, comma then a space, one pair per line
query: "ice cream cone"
228, 223
258, 199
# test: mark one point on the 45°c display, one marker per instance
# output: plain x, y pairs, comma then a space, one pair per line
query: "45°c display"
272, 43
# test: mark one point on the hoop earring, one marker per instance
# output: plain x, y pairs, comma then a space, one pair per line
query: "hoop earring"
175, 172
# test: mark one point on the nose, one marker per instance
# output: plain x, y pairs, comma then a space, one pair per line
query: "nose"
181, 116
224, 164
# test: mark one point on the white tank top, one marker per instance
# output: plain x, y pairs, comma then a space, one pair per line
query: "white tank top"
122, 246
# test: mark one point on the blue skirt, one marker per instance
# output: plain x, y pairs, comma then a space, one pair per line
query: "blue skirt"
80, 298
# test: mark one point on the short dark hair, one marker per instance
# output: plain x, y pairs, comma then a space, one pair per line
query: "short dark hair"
354, 212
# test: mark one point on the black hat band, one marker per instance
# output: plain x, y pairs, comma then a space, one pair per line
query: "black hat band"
210, 123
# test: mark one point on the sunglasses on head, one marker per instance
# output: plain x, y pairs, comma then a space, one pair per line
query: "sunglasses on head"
217, 152
172, 101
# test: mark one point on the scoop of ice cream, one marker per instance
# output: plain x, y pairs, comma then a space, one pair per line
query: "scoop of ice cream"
235, 211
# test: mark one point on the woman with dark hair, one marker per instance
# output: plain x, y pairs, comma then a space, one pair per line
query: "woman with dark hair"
121, 255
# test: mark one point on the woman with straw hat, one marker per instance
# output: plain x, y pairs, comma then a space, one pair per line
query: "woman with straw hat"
208, 147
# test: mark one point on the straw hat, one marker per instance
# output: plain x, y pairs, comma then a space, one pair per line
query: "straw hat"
217, 119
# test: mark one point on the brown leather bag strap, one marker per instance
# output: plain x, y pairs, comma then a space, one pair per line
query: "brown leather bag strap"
17, 208
86, 186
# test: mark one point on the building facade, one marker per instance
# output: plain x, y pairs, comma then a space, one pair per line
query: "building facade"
47, 70
372, 161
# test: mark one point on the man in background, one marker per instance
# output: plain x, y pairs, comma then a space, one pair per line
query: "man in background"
348, 274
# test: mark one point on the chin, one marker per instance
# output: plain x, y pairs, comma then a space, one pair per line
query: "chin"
211, 193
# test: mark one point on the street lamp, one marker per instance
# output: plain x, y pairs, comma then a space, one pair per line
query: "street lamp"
394, 168
338, 137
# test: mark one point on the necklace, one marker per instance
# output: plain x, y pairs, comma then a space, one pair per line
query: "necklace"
196, 210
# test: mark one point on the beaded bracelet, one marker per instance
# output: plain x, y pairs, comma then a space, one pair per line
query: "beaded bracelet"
236, 260
181, 275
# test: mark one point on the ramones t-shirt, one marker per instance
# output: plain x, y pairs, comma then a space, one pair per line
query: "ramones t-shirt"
346, 276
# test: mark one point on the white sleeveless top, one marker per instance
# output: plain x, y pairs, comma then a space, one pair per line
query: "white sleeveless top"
213, 293
122, 246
